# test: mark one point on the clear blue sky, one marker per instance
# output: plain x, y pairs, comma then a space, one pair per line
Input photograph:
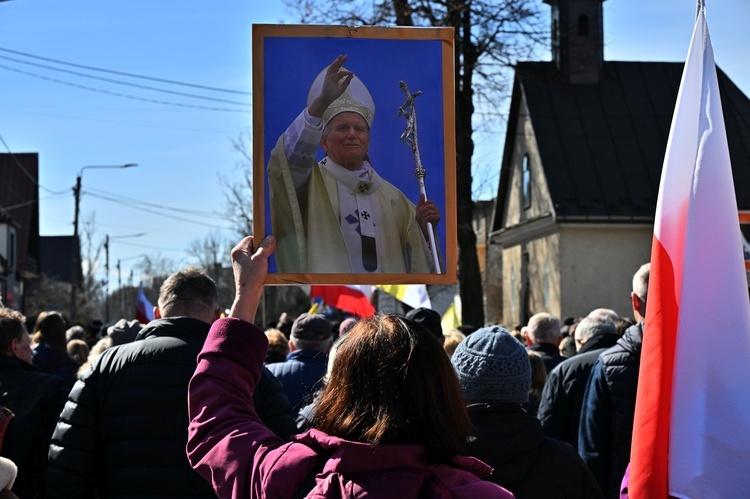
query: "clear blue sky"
182, 150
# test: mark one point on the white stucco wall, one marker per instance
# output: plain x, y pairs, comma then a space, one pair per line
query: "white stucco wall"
597, 266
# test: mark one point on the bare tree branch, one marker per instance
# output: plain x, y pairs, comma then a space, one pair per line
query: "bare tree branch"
238, 187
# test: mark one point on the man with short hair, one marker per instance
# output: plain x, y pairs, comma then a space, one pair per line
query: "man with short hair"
562, 397
302, 373
606, 424
124, 430
339, 215
605, 312
543, 335
34, 397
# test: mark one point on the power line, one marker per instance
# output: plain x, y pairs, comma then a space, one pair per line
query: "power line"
21, 205
25, 172
148, 210
207, 214
126, 96
139, 245
122, 73
118, 82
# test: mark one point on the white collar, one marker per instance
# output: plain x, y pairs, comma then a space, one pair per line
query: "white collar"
364, 181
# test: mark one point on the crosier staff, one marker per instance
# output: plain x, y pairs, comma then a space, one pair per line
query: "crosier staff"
409, 137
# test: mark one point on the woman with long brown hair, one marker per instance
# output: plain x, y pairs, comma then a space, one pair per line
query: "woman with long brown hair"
49, 346
390, 422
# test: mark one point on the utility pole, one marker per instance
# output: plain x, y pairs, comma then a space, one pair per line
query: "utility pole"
106, 271
106, 267
76, 242
76, 254
119, 286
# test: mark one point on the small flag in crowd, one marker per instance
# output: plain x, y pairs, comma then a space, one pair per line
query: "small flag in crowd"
691, 434
354, 299
144, 311
414, 295
452, 317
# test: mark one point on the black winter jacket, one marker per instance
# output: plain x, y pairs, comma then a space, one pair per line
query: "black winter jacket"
301, 375
562, 397
36, 399
525, 461
123, 431
606, 425
550, 354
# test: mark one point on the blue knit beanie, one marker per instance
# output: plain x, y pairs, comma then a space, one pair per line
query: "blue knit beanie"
493, 366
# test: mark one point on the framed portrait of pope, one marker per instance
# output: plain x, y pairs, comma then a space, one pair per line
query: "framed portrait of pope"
354, 153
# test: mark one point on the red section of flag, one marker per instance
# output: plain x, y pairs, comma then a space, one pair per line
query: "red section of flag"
650, 448
344, 298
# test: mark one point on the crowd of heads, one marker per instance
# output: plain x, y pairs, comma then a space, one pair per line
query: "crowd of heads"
51, 343
413, 378
492, 357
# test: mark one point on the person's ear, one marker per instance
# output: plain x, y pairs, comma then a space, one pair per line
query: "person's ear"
157, 313
324, 143
635, 301
14, 347
292, 348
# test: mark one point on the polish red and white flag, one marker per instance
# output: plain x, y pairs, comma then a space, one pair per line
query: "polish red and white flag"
691, 435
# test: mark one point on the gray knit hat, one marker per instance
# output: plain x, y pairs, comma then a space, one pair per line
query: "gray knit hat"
493, 366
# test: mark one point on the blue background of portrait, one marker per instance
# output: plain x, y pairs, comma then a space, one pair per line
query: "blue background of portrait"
290, 64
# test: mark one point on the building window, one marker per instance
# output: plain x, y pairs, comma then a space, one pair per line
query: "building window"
583, 25
526, 182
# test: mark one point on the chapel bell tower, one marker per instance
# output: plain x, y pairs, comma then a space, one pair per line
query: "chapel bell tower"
578, 39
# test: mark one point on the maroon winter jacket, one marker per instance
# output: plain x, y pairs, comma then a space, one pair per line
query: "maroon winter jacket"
232, 449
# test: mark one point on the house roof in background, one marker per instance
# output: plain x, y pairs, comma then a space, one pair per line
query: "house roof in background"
56, 257
602, 146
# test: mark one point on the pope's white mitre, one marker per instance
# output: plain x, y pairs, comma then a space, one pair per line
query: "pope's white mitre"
355, 99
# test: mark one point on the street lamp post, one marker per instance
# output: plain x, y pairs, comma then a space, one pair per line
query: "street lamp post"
107, 239
77, 246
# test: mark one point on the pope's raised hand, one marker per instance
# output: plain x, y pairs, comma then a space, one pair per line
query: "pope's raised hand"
336, 81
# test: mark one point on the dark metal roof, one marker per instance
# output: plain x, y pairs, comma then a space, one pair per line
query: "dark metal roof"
602, 146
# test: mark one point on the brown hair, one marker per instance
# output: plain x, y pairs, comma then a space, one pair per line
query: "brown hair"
78, 350
50, 328
12, 327
278, 346
538, 373
391, 383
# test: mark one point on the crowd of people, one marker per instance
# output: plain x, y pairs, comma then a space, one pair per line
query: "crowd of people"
196, 404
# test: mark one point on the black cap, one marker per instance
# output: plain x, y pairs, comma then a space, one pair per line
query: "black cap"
311, 327
429, 319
